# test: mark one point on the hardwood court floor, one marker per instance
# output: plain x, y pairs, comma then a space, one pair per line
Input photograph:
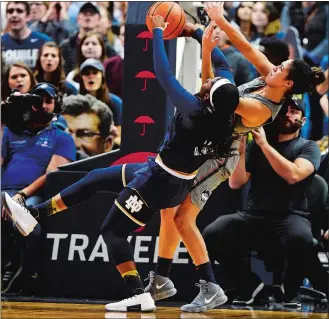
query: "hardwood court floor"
41, 310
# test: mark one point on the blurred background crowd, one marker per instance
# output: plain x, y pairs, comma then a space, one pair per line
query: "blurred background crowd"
51, 42
76, 51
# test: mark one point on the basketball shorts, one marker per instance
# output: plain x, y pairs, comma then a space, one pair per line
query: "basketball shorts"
157, 188
210, 175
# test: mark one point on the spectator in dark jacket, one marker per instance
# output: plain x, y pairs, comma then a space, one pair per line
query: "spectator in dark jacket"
55, 23
88, 19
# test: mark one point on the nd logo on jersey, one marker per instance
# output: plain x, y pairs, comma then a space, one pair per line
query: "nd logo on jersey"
206, 149
133, 204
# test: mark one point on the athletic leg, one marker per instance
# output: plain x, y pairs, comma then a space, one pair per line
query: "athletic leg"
160, 286
185, 221
211, 294
109, 178
118, 224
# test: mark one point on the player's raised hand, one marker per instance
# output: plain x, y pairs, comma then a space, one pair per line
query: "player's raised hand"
159, 22
215, 11
208, 41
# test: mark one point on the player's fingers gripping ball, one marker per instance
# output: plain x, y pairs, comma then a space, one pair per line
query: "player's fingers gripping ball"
174, 17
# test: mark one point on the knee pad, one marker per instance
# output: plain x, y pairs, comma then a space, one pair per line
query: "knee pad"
131, 203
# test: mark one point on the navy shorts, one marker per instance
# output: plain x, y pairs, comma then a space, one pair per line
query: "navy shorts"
157, 188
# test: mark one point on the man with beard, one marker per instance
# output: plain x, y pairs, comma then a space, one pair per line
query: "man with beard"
279, 169
26, 158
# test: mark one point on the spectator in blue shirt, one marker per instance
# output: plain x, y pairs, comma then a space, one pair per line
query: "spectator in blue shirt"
21, 44
26, 159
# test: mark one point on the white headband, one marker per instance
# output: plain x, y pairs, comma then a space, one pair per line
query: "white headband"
217, 84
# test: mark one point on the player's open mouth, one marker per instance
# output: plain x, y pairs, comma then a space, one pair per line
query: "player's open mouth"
91, 82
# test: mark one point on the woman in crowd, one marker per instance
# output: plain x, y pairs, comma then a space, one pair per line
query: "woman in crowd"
265, 18
93, 82
91, 46
243, 20
18, 76
49, 68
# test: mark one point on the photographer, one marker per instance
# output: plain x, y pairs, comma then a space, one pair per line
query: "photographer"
26, 158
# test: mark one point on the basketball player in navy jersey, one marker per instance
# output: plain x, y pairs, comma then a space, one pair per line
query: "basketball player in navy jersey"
201, 123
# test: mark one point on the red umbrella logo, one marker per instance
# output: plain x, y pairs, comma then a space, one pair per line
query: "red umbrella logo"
145, 75
144, 120
147, 35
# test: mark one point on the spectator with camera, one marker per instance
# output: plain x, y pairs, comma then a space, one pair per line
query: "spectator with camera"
26, 158
18, 77
55, 22
50, 69
89, 122
88, 20
20, 43
280, 168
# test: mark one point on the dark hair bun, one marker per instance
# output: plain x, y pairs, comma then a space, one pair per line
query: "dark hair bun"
317, 76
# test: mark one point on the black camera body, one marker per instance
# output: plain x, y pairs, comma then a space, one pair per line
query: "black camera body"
16, 111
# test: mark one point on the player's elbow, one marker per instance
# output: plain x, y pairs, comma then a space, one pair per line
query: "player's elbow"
236, 184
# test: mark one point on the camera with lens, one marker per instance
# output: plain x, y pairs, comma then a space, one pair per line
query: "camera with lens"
16, 111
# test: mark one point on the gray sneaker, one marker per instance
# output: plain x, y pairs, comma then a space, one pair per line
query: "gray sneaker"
160, 287
209, 297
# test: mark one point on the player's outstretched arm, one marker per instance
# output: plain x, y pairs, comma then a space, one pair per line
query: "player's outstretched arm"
184, 101
253, 55
209, 45
218, 59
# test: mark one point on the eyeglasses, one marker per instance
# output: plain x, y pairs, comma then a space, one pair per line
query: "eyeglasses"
18, 10
84, 135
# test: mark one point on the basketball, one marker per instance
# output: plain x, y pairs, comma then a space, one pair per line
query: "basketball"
173, 13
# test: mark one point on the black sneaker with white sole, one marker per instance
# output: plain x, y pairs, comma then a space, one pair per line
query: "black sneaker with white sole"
9, 275
292, 302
